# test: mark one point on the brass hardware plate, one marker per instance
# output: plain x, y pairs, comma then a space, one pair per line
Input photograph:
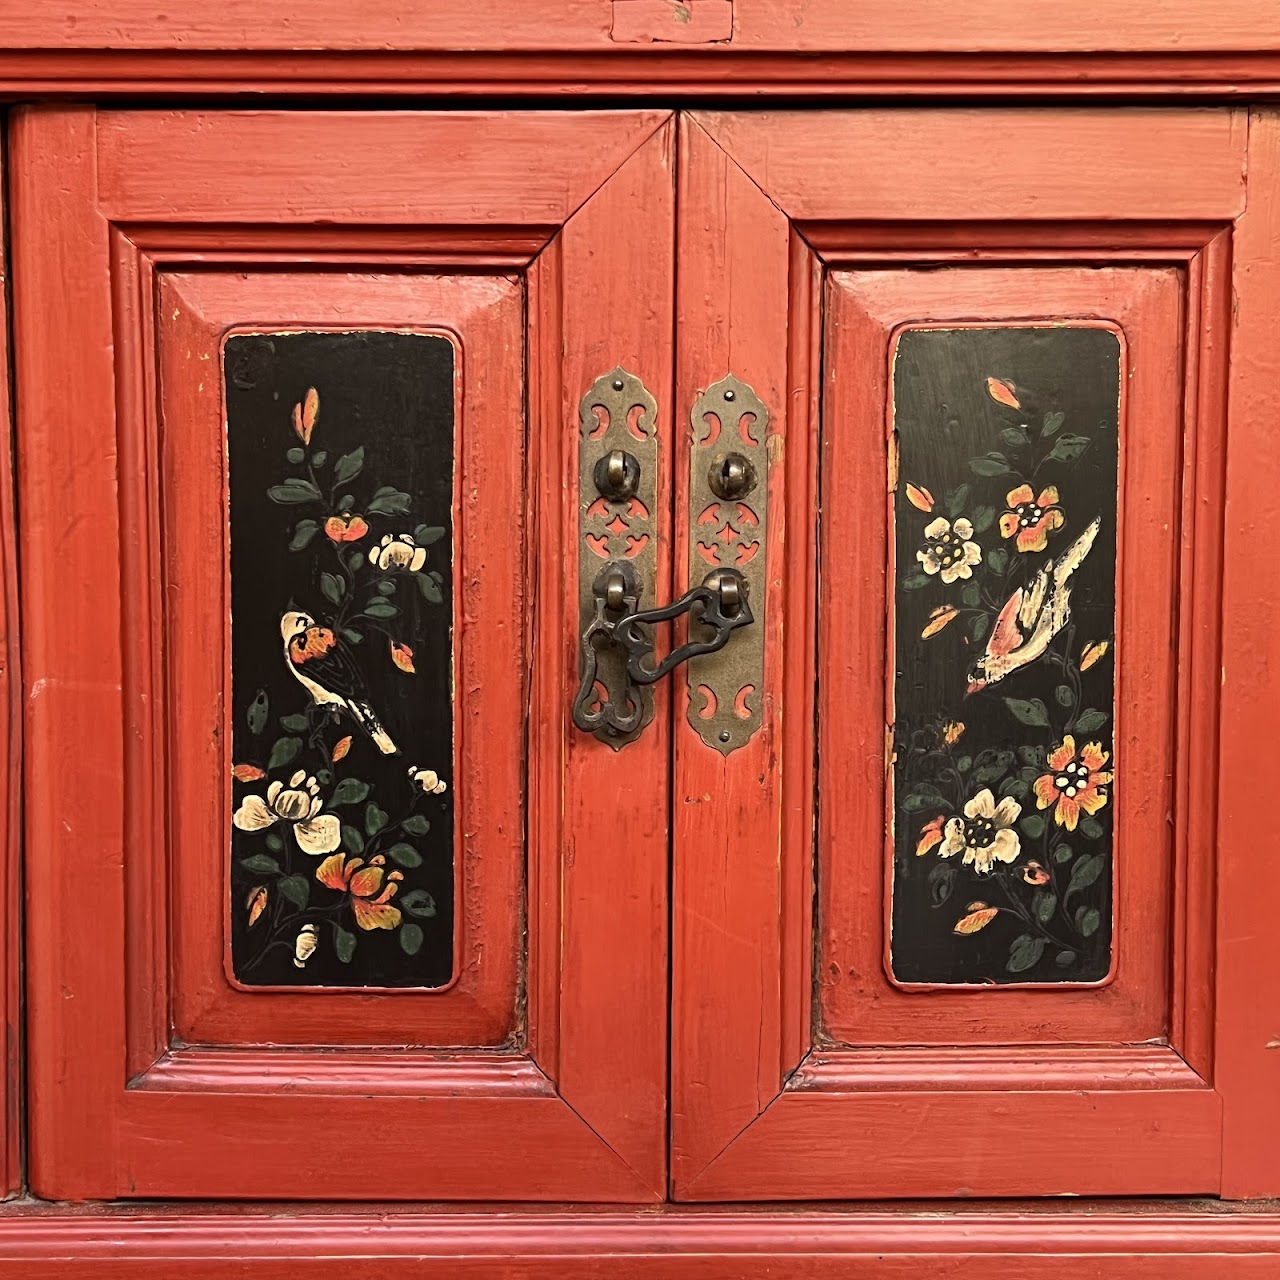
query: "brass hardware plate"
617, 454
728, 496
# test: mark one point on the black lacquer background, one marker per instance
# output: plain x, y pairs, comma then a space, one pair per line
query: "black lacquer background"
392, 393
944, 417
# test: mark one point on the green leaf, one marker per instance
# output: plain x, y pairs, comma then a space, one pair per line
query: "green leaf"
997, 558
1062, 853
352, 636
1091, 828
956, 500
1031, 755
294, 724
352, 840
1016, 787
1068, 448
346, 502
332, 586
261, 864
285, 751
971, 594
274, 842
1052, 421
418, 902
923, 797
994, 464
374, 818
1088, 920
296, 888
357, 560
303, 532
1090, 719
416, 825
293, 490
324, 777
430, 589
978, 625
1044, 905
319, 459
1028, 711
1064, 695
427, 534
344, 944
1064, 958
1085, 871
387, 587
381, 609
404, 855
964, 763
390, 504
436, 575
295, 455
996, 765
410, 939
983, 519
942, 881
257, 713
912, 582
1032, 826
349, 791
1014, 437
349, 466
1024, 953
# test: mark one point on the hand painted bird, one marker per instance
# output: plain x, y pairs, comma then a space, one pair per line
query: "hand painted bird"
1032, 616
325, 667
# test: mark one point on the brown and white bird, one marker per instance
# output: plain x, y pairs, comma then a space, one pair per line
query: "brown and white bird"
1032, 616
326, 668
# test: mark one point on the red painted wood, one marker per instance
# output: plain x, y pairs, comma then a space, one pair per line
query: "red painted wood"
877, 192
123, 960
1100, 1241
11, 1121
1247, 1047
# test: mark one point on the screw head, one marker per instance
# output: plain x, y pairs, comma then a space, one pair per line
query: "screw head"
618, 384
724, 735
730, 394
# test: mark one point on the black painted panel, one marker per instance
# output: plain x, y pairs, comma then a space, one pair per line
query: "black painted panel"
340, 444
1004, 611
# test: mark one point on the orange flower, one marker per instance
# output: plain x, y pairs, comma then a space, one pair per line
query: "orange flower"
1074, 784
371, 888
919, 497
1093, 653
402, 656
340, 749
1032, 518
305, 414
938, 619
247, 772
951, 732
256, 903
345, 528
1002, 392
930, 834
1034, 873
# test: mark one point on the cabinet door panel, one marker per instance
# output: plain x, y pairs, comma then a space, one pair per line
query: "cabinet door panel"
993, 345
318, 926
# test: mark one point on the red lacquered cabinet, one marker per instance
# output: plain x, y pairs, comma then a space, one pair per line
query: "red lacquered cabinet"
602, 681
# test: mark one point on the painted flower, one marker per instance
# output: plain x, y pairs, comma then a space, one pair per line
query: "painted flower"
345, 528
952, 731
308, 939
1076, 782
428, 780
1034, 873
1030, 517
305, 413
930, 835
370, 887
947, 549
985, 834
299, 805
399, 551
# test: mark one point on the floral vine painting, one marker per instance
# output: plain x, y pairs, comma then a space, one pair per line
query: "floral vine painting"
341, 492
1004, 771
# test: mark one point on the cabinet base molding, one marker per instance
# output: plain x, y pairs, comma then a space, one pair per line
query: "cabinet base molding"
1008, 1242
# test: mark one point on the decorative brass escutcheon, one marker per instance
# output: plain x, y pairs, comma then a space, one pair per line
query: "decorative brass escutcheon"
728, 495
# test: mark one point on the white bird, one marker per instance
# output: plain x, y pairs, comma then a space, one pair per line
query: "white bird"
1031, 617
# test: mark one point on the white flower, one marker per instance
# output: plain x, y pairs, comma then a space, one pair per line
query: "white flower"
298, 804
399, 552
305, 945
428, 780
947, 549
985, 833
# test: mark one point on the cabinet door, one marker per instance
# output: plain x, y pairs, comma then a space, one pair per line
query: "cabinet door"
317, 905
962, 917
